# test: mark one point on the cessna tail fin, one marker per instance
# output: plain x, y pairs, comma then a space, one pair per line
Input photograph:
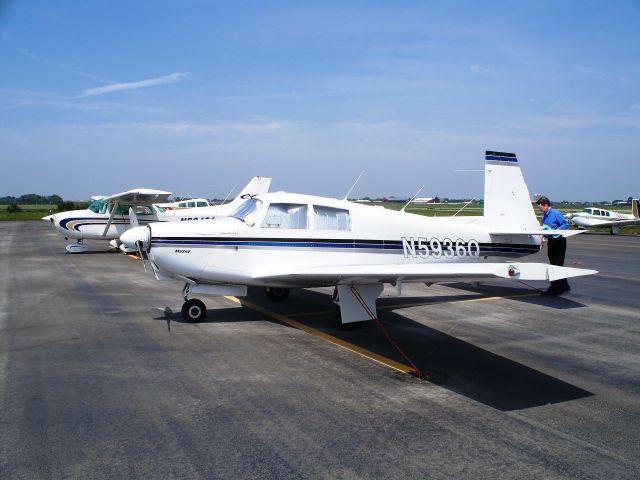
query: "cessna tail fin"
256, 186
507, 204
635, 208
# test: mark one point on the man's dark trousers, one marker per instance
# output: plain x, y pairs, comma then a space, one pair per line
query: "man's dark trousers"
556, 248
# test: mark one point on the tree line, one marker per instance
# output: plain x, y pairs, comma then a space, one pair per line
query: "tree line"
32, 199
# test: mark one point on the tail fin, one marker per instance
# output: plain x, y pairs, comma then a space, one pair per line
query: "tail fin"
635, 208
256, 186
507, 204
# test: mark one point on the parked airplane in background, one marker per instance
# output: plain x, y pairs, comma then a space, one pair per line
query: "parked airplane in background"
600, 218
283, 240
108, 217
189, 203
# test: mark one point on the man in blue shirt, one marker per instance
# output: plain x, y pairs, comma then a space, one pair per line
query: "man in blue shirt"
556, 244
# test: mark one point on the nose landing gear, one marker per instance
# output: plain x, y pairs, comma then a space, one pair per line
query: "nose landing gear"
193, 310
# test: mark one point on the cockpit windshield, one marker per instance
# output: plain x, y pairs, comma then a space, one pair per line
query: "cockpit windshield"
247, 211
98, 207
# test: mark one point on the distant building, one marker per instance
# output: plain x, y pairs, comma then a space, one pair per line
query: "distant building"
423, 200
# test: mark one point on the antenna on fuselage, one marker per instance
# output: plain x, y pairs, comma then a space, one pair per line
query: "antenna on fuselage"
464, 206
346, 197
229, 194
412, 198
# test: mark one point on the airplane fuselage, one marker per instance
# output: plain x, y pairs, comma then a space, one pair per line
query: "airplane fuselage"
227, 250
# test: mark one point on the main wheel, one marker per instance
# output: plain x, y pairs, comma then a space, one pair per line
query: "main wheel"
346, 327
276, 294
194, 310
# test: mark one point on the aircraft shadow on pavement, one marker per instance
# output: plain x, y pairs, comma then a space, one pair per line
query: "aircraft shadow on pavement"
449, 362
560, 302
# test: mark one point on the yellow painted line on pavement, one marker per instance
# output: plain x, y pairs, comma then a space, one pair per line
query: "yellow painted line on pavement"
387, 362
464, 300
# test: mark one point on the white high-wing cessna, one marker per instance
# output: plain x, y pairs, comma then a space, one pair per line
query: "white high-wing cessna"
282, 240
599, 218
108, 217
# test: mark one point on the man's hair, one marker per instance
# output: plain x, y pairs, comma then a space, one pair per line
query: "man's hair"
543, 201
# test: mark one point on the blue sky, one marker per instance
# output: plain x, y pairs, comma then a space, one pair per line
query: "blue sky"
197, 96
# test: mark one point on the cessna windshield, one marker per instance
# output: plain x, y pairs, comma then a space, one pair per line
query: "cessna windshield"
98, 207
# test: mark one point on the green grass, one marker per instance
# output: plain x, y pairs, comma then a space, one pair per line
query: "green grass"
447, 210
29, 212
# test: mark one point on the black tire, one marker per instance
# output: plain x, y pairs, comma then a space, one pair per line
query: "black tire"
345, 327
194, 310
277, 294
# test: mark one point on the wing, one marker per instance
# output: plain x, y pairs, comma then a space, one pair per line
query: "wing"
138, 196
563, 233
617, 223
435, 273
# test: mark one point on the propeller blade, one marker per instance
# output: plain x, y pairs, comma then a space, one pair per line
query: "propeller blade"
142, 255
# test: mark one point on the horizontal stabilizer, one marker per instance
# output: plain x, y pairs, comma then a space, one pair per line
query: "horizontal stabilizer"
563, 233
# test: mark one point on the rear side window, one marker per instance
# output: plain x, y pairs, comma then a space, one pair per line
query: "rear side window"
329, 218
286, 215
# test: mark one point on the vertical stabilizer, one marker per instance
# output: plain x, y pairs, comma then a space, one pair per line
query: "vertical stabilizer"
507, 204
635, 208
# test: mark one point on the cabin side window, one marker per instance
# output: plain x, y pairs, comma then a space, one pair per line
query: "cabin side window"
286, 215
329, 218
202, 204
144, 210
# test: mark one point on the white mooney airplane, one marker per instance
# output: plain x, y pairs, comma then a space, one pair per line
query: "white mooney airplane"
109, 217
283, 240
599, 218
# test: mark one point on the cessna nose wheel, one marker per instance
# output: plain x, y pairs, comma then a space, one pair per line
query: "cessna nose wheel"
194, 310
276, 294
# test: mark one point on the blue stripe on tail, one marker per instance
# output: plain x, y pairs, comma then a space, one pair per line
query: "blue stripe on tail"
501, 157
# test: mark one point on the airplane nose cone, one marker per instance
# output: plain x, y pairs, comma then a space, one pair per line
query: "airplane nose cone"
49, 218
131, 237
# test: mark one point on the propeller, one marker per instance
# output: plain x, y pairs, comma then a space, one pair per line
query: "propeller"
142, 254
138, 238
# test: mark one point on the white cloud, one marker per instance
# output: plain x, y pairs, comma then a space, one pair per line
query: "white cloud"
478, 69
151, 82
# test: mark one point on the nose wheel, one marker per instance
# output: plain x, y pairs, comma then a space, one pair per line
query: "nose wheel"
276, 294
194, 310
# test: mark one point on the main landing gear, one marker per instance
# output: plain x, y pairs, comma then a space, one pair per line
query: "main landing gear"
193, 310
345, 327
276, 294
